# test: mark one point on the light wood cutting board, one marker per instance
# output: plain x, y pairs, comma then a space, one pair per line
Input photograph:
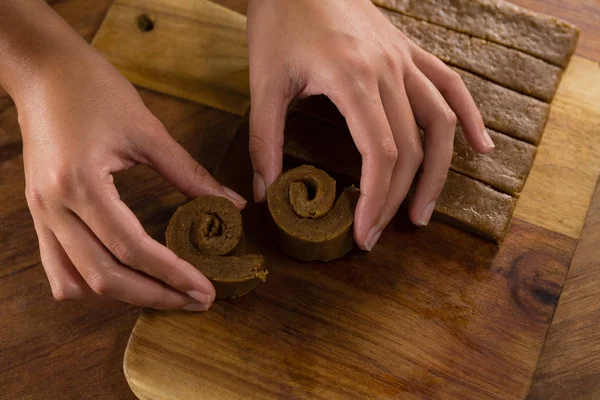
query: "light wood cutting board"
430, 313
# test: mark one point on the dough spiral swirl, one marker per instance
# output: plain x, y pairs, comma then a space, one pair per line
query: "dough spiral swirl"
310, 224
208, 233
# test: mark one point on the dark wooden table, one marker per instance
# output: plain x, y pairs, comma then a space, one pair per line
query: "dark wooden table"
67, 351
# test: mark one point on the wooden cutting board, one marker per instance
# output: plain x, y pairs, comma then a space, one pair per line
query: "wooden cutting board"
429, 313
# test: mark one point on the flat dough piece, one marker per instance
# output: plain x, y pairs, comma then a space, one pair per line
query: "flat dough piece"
505, 169
502, 109
540, 35
508, 67
507, 111
464, 203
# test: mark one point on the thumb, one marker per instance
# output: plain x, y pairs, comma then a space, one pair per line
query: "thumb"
267, 122
171, 160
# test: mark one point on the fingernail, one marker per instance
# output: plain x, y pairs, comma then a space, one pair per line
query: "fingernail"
372, 239
200, 297
260, 188
196, 307
426, 214
236, 198
488, 140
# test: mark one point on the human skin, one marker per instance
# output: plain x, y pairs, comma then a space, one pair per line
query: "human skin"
81, 121
382, 83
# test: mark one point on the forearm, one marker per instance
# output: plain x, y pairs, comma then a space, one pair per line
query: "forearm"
32, 40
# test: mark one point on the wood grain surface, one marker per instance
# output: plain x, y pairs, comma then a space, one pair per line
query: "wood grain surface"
570, 364
561, 183
214, 70
66, 351
583, 13
465, 320
558, 185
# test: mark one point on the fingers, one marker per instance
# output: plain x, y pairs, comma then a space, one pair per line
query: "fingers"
107, 277
368, 124
113, 223
269, 103
410, 153
65, 281
451, 86
171, 160
438, 121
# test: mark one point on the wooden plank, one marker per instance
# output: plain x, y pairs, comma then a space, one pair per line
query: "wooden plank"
463, 320
66, 343
559, 189
566, 188
208, 64
70, 371
570, 364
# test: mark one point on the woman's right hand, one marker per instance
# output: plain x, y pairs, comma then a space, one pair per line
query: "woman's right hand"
81, 121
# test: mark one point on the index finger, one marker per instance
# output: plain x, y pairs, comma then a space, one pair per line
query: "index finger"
453, 89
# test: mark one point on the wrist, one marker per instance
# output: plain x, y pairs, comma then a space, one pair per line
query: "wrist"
34, 43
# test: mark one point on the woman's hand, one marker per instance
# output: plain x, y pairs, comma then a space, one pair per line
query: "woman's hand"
82, 121
383, 84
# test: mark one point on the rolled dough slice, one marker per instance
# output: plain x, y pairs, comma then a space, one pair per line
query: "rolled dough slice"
543, 36
508, 67
507, 111
310, 224
207, 232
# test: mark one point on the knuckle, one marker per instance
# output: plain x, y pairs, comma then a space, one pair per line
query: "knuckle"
60, 294
360, 66
200, 173
65, 292
418, 157
99, 283
447, 116
61, 183
388, 151
171, 278
391, 60
358, 60
414, 158
453, 78
151, 132
35, 198
125, 253
159, 302
154, 128
258, 144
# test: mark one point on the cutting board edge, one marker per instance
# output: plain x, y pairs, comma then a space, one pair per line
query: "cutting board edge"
141, 394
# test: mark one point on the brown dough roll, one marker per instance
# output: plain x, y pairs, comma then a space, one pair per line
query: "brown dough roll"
207, 232
310, 224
